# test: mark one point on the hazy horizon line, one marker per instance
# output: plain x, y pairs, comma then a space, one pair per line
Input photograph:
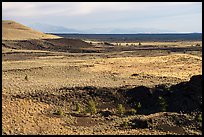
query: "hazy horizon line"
133, 33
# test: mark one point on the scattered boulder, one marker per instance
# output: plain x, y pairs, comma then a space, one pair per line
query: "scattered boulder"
135, 74
106, 113
139, 123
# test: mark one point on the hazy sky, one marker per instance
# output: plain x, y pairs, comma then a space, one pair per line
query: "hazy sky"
169, 16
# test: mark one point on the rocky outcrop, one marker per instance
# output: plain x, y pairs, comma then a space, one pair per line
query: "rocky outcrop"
185, 96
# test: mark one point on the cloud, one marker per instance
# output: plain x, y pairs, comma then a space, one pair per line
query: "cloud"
101, 14
80, 8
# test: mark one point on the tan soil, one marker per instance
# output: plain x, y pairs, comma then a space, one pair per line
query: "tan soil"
48, 71
12, 30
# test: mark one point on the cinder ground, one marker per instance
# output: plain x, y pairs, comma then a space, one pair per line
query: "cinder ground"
48, 73
38, 83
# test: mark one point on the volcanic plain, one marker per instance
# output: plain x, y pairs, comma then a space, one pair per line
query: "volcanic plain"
56, 85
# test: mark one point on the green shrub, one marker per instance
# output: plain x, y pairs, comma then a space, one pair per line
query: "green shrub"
162, 103
78, 107
125, 124
138, 106
120, 109
199, 118
91, 108
133, 111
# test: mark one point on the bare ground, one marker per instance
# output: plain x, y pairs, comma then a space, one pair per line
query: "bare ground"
57, 80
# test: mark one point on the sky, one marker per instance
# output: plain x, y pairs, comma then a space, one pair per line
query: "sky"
103, 16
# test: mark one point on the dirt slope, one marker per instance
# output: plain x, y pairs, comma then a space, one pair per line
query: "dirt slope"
35, 113
18, 36
12, 30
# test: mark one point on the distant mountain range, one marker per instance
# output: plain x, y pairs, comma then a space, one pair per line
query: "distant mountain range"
61, 29
52, 29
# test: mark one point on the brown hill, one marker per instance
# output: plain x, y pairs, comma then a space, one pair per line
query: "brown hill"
18, 36
12, 30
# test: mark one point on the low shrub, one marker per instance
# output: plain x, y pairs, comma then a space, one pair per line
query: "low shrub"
133, 111
138, 106
162, 103
120, 109
125, 124
199, 118
78, 107
91, 107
